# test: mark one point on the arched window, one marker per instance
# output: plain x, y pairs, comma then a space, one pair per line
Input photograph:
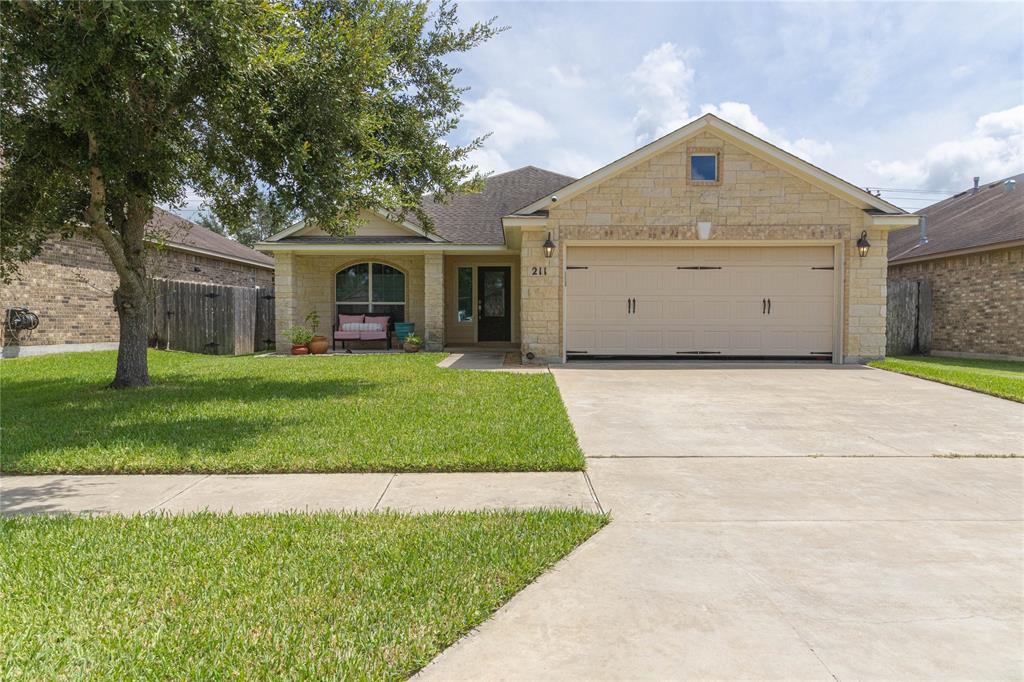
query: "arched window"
371, 288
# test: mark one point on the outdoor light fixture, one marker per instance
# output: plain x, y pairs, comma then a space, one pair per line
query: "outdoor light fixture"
863, 244
703, 229
549, 247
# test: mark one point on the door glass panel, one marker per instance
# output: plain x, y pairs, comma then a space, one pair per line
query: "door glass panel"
353, 283
388, 284
465, 313
494, 293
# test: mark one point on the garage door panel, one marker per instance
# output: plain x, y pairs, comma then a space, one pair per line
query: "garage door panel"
679, 309
719, 308
612, 309
582, 310
647, 341
680, 340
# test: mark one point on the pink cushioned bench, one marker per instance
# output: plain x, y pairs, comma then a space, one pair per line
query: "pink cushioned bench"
361, 328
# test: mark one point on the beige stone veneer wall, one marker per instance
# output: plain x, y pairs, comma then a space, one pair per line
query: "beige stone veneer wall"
755, 201
305, 282
977, 300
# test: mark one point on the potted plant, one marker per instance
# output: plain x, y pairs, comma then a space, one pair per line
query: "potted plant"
317, 344
300, 338
412, 344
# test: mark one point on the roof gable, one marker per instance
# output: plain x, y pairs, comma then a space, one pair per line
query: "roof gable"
750, 143
373, 224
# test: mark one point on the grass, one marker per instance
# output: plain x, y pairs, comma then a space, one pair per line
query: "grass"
279, 414
994, 377
285, 596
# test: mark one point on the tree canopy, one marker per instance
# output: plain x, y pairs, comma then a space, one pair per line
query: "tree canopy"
317, 107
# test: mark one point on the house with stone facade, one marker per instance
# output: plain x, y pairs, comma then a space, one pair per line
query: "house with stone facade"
70, 285
706, 243
970, 250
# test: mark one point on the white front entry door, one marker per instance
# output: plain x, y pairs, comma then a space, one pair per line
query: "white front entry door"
694, 301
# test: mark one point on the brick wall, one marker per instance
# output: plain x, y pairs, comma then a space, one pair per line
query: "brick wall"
71, 285
755, 201
977, 300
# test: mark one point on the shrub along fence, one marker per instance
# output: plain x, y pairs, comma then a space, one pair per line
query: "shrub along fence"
908, 319
211, 318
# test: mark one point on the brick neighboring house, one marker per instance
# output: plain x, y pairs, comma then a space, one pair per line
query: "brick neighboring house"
70, 284
974, 260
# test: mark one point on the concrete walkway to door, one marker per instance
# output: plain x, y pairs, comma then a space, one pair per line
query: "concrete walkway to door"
674, 409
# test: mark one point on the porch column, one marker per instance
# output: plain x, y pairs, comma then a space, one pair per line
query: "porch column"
433, 301
284, 298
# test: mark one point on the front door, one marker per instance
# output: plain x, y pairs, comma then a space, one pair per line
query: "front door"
494, 303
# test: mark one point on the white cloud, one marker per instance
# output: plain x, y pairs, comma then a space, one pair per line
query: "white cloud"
569, 162
961, 71
509, 124
571, 78
740, 114
993, 150
488, 160
661, 84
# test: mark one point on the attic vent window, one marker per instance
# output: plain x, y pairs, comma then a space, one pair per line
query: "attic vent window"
704, 167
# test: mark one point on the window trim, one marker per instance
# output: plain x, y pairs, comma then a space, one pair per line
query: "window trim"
369, 302
704, 151
472, 294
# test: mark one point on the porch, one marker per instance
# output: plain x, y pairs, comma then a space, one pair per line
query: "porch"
465, 301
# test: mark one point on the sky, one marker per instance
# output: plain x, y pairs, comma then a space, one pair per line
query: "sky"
903, 96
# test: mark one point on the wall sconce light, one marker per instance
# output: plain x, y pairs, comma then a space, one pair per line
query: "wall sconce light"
549, 247
863, 244
703, 229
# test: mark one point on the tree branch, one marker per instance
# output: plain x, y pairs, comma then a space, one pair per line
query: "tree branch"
96, 216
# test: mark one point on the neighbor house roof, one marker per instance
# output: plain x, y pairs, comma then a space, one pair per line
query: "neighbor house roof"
476, 218
184, 235
966, 221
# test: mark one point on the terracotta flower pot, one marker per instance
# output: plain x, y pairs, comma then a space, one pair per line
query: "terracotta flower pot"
411, 347
299, 350
319, 345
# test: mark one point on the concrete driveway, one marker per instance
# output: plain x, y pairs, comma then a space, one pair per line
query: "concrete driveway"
659, 409
733, 553
797, 569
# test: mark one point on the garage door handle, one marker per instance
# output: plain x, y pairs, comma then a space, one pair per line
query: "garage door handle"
764, 302
769, 306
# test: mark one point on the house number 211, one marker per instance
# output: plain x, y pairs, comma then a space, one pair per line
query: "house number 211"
539, 270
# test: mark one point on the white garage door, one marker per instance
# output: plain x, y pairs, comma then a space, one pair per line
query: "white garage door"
693, 301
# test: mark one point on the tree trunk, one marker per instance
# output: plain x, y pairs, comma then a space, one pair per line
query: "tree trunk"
132, 307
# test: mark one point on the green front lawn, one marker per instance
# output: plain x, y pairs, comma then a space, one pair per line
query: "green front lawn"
275, 414
995, 377
285, 596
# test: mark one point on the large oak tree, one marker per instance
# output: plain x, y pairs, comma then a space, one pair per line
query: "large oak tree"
319, 107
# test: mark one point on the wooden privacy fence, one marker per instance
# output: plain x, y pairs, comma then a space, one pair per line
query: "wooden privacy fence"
211, 318
908, 322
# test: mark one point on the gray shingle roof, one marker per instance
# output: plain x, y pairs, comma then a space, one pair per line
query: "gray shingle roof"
476, 218
965, 221
178, 231
330, 239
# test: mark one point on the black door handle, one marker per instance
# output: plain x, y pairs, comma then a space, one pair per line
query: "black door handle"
629, 306
769, 306
764, 302
634, 306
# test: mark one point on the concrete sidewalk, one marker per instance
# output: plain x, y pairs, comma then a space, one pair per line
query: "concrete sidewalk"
284, 492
